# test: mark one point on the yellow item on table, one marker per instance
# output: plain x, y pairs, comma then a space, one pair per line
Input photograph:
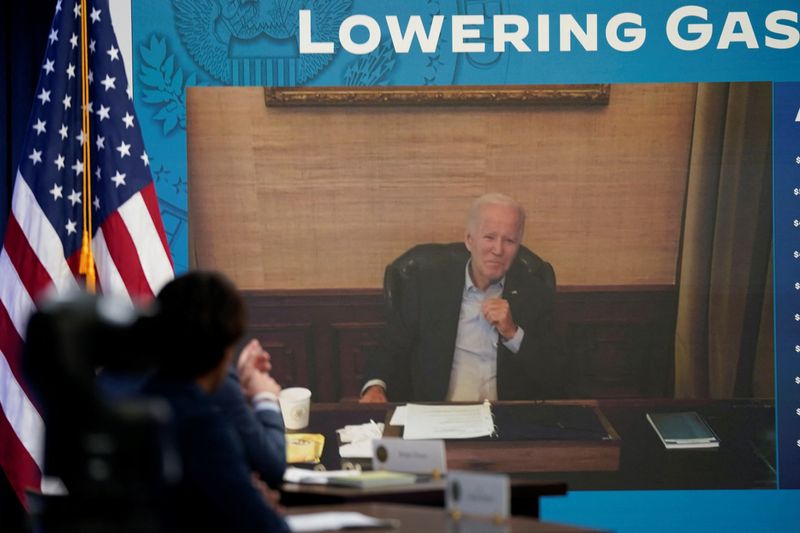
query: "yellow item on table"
304, 447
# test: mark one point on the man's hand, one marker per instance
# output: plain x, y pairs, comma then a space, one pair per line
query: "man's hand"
258, 382
498, 313
374, 394
271, 497
253, 369
253, 357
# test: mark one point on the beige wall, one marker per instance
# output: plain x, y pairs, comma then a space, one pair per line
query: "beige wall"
295, 198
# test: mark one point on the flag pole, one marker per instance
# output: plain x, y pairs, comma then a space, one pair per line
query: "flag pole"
86, 266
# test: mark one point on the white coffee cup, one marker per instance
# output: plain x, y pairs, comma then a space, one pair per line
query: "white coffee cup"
295, 404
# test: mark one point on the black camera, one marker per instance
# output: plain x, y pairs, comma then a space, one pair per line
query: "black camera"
115, 457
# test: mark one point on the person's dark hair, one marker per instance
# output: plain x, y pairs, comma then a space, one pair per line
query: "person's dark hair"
200, 315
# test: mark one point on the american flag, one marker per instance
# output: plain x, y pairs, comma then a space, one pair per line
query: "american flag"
43, 239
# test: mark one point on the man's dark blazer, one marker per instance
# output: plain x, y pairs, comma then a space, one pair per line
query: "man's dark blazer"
423, 290
216, 492
261, 432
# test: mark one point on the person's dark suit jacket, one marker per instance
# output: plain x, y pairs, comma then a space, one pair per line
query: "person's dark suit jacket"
216, 492
423, 291
261, 432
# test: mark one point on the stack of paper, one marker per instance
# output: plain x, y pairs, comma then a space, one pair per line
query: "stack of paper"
448, 421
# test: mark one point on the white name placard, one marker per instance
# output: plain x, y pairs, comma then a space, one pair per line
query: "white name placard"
478, 494
416, 457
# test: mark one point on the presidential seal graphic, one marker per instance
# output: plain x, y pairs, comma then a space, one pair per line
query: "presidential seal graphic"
254, 42
299, 413
381, 454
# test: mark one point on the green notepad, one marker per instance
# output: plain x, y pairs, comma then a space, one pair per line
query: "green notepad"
683, 430
375, 478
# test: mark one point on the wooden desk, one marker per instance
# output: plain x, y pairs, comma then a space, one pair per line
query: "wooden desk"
415, 519
536, 437
745, 458
585, 442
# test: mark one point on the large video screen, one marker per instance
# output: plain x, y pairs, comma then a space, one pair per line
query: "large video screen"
301, 146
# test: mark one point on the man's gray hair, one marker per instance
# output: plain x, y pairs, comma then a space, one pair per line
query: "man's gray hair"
494, 198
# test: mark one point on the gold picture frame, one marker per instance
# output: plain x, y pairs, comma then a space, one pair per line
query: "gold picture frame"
593, 94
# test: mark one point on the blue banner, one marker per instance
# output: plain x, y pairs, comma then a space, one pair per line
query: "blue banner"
786, 224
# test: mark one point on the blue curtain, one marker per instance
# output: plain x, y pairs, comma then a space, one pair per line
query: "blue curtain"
25, 27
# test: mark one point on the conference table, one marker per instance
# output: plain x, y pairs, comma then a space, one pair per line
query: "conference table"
525, 494
629, 457
416, 519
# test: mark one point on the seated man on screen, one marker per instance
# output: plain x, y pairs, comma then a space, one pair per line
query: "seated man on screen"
471, 321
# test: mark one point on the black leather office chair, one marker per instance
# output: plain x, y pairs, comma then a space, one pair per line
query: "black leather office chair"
427, 256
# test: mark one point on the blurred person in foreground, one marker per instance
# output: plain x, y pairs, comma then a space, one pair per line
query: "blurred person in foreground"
200, 317
247, 397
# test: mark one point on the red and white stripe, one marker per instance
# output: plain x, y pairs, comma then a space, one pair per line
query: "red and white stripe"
132, 259
131, 251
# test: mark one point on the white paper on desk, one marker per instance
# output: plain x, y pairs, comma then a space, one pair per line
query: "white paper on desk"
448, 421
399, 416
361, 449
359, 432
357, 440
314, 477
338, 520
